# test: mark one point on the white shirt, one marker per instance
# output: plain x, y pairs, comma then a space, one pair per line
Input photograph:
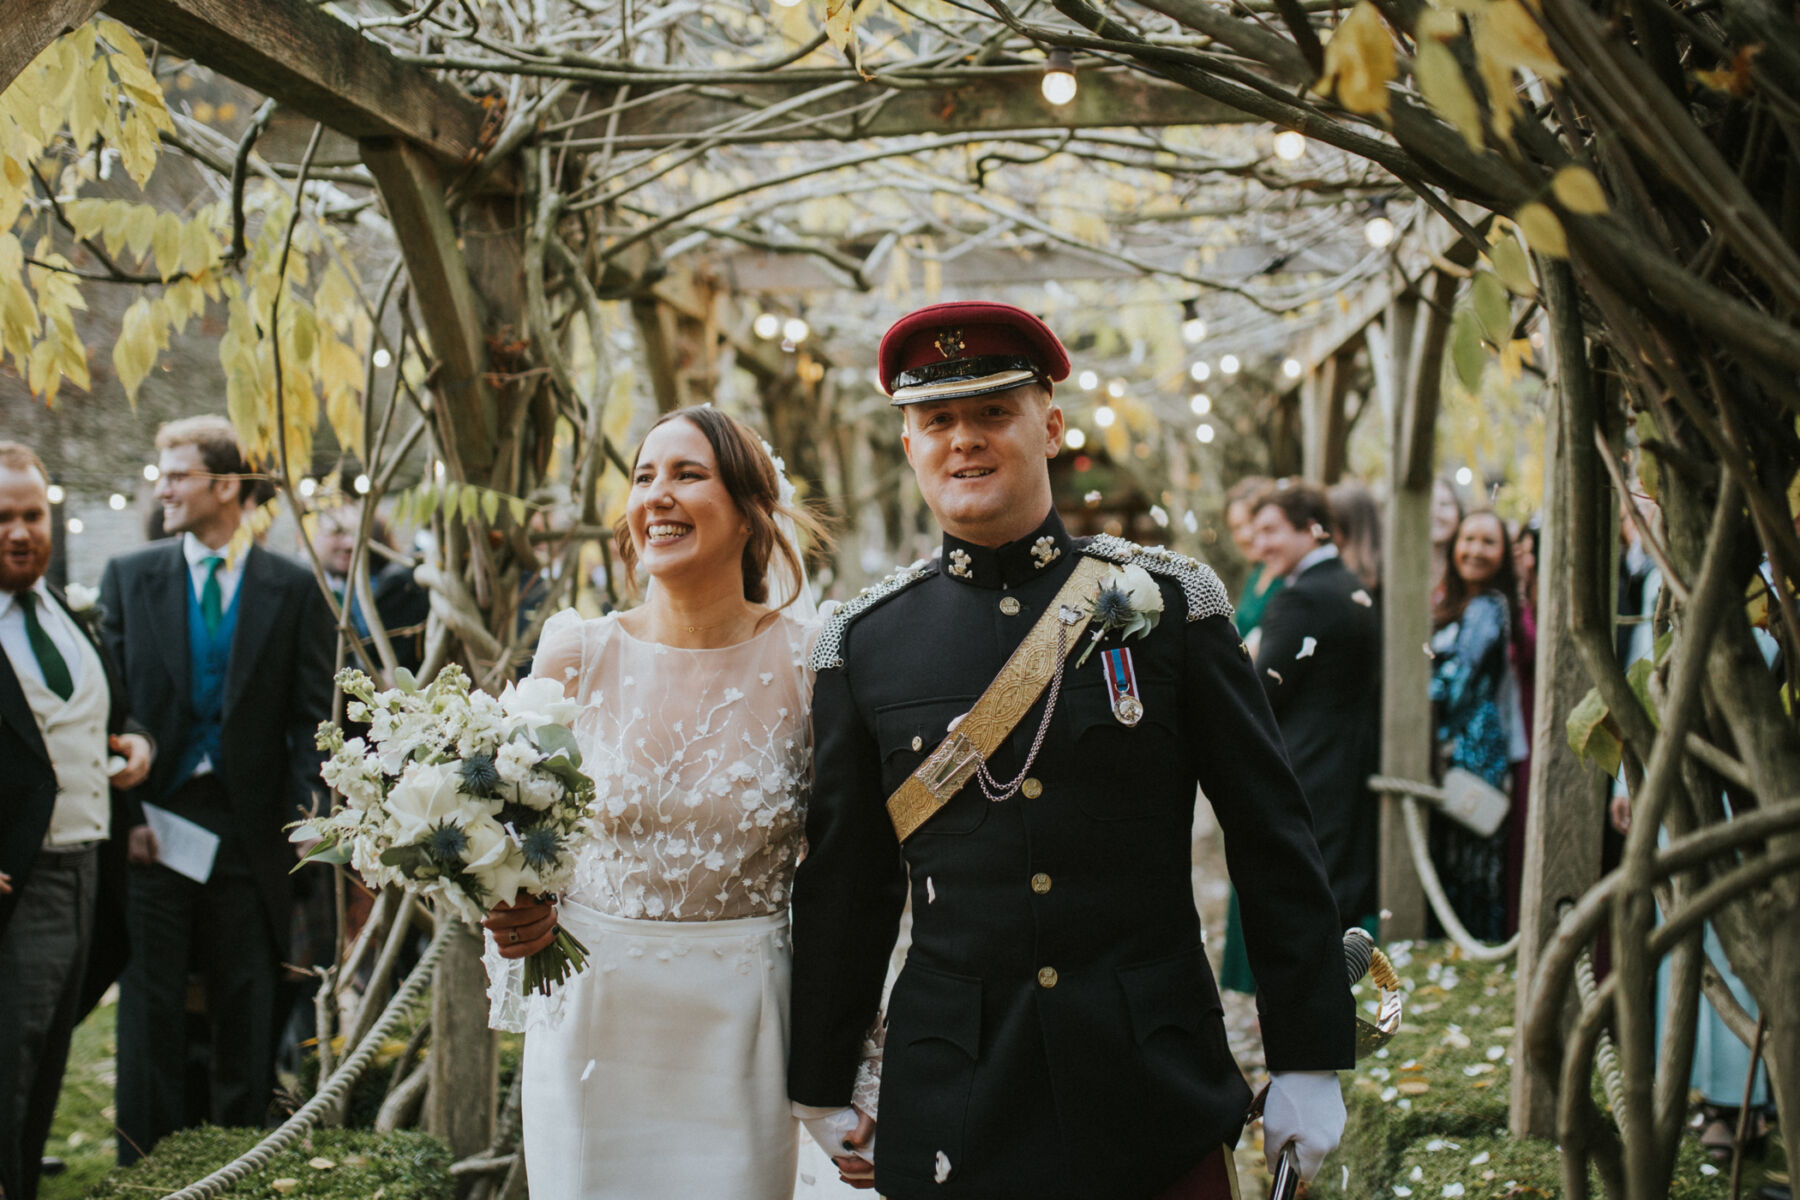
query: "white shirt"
17, 642
231, 573
1313, 558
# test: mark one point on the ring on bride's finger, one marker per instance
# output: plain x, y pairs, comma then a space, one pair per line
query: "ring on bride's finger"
512, 937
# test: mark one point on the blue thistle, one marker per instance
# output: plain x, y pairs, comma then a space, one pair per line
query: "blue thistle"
1112, 608
479, 776
541, 846
446, 844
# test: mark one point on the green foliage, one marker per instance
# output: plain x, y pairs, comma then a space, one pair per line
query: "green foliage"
1592, 734
327, 1164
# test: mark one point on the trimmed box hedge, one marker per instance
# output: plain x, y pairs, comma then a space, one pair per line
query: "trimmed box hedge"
327, 1164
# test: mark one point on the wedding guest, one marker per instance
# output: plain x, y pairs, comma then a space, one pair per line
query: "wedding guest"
1320, 665
1475, 623
1356, 530
67, 748
224, 650
1259, 587
1523, 655
1446, 515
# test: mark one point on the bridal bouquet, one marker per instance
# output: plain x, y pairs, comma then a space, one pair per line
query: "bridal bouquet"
460, 797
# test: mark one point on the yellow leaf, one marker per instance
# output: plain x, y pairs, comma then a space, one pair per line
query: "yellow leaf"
87, 216
1359, 62
1508, 34
1543, 232
140, 228
135, 351
1578, 191
197, 247
1442, 84
165, 243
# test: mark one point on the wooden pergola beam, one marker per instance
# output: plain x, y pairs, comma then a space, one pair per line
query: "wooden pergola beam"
1000, 100
31, 25
315, 63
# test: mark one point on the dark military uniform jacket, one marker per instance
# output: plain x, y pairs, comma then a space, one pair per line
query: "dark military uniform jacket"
1056, 1031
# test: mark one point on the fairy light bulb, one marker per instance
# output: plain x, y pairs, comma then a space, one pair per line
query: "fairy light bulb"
766, 325
1089, 381
1193, 325
152, 472
1075, 439
1104, 416
1201, 404
1205, 432
794, 330
54, 493
1059, 77
1292, 368
1201, 371
1290, 145
1228, 365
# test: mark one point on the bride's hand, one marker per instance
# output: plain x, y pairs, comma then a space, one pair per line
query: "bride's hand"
523, 927
853, 1169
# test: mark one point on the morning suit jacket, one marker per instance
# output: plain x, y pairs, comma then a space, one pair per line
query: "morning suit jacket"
29, 795
1056, 1031
277, 690
1320, 663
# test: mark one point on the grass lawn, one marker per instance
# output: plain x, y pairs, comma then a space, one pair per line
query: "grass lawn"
82, 1135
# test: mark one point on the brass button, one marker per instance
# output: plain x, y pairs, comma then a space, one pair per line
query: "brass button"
1040, 883
1032, 788
1046, 977
918, 743
1009, 605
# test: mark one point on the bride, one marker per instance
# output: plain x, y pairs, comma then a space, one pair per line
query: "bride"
660, 1070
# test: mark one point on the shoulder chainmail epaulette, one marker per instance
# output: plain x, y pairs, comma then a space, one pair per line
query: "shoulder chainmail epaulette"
828, 651
1199, 583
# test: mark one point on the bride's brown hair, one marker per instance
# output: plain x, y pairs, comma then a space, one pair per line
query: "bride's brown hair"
750, 480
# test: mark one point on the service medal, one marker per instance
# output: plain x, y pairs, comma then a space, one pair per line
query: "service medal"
1122, 686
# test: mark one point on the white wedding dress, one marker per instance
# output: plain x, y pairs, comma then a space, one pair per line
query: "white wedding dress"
661, 1070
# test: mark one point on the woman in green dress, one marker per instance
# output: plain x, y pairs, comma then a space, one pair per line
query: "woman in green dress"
1252, 599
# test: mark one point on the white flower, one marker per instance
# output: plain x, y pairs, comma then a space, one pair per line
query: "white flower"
515, 760
1139, 587
81, 597
538, 701
425, 796
540, 792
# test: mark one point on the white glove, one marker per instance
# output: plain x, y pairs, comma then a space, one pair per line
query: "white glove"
1307, 1109
831, 1130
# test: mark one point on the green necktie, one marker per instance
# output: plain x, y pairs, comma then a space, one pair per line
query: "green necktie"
212, 601
50, 659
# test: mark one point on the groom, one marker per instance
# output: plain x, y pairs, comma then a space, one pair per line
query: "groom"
1056, 1031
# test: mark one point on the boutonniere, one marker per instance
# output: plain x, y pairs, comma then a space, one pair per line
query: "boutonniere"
84, 602
1127, 602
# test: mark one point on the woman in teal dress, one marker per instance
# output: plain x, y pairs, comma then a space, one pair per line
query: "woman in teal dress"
1240, 507
1476, 621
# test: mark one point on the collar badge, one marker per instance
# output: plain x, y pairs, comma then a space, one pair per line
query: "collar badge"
959, 564
1045, 551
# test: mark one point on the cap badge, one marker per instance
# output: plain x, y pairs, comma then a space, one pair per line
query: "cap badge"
949, 343
1045, 551
959, 564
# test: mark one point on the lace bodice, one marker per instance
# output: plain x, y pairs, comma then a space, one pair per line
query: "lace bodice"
701, 760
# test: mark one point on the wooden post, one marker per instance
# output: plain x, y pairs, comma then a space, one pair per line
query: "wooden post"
414, 195
31, 25
465, 1061
1414, 366
1322, 396
1565, 797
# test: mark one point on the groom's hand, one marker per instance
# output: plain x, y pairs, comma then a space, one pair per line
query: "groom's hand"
523, 927
853, 1169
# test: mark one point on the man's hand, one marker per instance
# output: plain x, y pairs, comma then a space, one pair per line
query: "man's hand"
5, 884
141, 847
136, 749
1307, 1109
523, 927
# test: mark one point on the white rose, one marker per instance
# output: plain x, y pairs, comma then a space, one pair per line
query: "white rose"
540, 792
1139, 587
488, 843
425, 796
508, 877
538, 701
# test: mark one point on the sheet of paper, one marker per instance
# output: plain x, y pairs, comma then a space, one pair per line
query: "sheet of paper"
182, 846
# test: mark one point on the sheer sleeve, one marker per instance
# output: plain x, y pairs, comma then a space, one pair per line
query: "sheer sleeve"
560, 655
